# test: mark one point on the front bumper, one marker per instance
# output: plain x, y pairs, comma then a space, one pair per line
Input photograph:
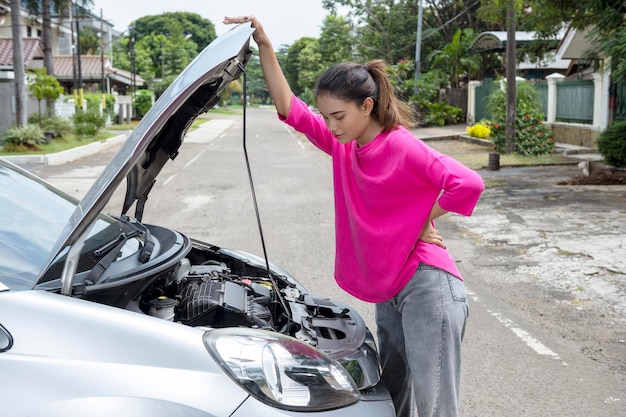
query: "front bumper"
373, 403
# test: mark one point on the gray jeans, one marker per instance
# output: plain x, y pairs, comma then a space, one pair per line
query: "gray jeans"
419, 336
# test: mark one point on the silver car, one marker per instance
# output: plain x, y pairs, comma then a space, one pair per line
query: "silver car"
107, 316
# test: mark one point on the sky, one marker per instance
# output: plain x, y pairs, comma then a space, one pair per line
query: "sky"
283, 20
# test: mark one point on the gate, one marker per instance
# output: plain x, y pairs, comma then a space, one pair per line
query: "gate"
619, 96
482, 93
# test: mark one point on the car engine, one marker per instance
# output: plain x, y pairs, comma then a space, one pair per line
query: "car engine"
213, 287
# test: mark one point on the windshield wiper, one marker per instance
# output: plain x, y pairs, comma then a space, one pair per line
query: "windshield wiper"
111, 250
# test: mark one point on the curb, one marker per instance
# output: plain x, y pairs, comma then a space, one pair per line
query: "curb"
62, 157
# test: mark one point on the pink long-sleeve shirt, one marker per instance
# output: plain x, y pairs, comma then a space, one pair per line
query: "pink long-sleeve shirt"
384, 192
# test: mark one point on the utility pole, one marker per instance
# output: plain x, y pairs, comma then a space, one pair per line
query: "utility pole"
511, 82
132, 59
79, 103
102, 86
418, 47
162, 62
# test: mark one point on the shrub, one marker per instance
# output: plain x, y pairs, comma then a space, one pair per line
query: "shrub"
94, 102
612, 144
59, 126
87, 123
22, 138
142, 102
532, 135
441, 114
527, 100
43, 86
479, 130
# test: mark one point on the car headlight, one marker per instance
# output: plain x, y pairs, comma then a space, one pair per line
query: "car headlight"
363, 364
281, 370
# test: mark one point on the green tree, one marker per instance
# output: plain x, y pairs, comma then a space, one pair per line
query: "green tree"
163, 45
603, 18
310, 67
305, 59
256, 87
202, 30
387, 29
43, 86
292, 64
89, 41
335, 41
455, 58
122, 56
384, 29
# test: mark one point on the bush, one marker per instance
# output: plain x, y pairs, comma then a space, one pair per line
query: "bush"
22, 138
612, 144
59, 126
87, 123
441, 114
532, 135
479, 130
142, 102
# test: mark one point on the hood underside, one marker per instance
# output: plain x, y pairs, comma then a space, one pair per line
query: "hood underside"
160, 133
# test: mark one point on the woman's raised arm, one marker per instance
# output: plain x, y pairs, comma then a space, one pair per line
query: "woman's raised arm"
277, 84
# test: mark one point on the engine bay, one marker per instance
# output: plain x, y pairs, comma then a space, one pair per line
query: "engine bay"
212, 287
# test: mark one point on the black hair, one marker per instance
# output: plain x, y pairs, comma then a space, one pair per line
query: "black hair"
354, 82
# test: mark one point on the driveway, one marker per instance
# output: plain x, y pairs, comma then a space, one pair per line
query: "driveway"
555, 252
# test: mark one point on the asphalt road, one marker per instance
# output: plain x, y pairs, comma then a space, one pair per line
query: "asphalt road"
544, 264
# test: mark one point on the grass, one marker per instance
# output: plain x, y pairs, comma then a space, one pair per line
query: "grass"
62, 144
473, 155
476, 156
72, 141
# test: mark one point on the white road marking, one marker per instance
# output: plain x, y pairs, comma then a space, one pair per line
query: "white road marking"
195, 202
522, 334
170, 178
193, 160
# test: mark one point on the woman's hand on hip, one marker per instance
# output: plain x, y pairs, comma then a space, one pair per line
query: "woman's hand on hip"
431, 235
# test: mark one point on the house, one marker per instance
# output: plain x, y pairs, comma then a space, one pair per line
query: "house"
533, 67
580, 99
86, 72
96, 71
33, 58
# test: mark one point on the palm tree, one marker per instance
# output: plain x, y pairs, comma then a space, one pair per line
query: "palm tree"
456, 58
43, 8
18, 64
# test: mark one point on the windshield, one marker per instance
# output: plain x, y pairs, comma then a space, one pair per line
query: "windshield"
33, 215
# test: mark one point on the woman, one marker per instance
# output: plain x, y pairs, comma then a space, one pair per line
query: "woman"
389, 188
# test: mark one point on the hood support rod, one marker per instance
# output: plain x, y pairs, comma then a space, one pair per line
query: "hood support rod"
256, 206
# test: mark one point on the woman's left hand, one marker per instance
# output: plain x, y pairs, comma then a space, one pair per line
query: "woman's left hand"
431, 235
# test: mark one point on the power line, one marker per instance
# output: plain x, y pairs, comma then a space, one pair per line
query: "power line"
451, 20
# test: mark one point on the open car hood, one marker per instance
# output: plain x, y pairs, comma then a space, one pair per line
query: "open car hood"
160, 133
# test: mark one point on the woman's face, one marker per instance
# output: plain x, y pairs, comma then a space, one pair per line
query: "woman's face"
346, 120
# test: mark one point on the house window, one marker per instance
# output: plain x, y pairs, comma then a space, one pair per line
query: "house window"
29, 31
39, 33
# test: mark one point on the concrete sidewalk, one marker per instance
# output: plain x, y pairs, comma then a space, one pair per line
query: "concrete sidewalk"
204, 133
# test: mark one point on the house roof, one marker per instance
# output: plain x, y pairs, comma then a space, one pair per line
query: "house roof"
32, 49
495, 41
550, 61
576, 43
91, 67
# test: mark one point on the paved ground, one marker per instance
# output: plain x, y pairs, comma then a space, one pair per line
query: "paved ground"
558, 252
